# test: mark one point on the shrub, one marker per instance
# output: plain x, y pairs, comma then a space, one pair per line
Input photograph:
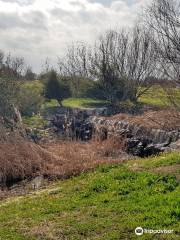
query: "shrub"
31, 98
56, 89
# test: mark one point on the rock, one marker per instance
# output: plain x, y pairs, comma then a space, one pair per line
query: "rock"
153, 149
175, 145
140, 140
144, 148
37, 182
74, 125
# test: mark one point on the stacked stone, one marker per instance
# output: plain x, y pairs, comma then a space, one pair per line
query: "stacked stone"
140, 141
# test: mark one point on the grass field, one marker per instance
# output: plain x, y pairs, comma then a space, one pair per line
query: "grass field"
107, 204
156, 96
76, 103
83, 103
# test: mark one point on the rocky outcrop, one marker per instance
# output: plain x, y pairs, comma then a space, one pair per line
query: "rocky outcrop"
140, 141
145, 134
75, 125
156, 136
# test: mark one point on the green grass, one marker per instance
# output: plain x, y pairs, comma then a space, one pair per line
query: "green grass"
107, 204
157, 161
156, 96
83, 103
35, 121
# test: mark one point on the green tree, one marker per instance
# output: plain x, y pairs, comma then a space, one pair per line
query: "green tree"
55, 88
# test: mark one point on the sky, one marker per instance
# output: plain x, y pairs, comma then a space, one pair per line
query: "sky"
37, 29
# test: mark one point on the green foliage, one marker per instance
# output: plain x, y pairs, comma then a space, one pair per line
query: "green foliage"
95, 90
157, 96
83, 87
30, 97
35, 121
106, 204
114, 89
56, 89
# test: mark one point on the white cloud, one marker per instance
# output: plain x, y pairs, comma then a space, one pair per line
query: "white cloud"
20, 2
120, 6
40, 28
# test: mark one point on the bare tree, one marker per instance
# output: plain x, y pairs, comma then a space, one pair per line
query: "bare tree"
124, 62
107, 64
1, 59
163, 17
11, 66
29, 74
46, 66
121, 62
141, 62
75, 65
10, 71
75, 62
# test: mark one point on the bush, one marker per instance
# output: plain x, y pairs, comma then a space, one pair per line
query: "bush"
95, 91
30, 98
55, 88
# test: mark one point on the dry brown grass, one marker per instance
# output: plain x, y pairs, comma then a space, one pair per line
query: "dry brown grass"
165, 119
78, 157
23, 160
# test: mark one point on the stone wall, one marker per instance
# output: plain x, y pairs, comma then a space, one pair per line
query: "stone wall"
140, 140
121, 127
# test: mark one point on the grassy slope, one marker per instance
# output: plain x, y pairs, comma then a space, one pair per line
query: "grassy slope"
156, 96
106, 204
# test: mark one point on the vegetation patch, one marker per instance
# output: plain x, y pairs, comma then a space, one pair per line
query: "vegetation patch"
157, 161
83, 103
159, 97
108, 203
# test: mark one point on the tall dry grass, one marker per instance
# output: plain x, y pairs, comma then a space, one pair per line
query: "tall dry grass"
25, 160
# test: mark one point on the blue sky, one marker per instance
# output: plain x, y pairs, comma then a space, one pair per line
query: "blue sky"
36, 29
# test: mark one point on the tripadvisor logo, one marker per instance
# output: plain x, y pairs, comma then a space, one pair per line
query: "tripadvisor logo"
139, 231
